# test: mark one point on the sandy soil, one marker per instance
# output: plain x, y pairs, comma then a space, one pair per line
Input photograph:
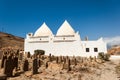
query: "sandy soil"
106, 71
102, 71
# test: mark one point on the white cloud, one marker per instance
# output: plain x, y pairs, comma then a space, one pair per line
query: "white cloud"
112, 40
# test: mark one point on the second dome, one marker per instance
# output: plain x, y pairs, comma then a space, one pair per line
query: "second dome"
65, 29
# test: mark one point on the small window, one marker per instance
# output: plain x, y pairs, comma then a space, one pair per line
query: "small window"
87, 50
95, 49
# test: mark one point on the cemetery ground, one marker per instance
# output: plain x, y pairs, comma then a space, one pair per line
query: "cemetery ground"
17, 66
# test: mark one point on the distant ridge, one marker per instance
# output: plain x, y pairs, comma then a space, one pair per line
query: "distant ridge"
114, 50
10, 41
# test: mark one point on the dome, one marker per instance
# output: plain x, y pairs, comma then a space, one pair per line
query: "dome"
43, 31
65, 29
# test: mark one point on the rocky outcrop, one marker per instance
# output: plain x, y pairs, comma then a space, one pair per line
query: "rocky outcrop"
114, 50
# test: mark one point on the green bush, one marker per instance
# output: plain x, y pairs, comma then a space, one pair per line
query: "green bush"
39, 52
100, 55
106, 57
103, 56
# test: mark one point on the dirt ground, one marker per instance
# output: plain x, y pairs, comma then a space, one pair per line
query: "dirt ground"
104, 71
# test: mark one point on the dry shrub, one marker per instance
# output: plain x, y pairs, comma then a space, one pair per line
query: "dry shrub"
103, 56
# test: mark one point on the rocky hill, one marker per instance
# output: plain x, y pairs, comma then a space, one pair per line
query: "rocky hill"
115, 50
11, 41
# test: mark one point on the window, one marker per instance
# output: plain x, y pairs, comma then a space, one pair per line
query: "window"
87, 50
95, 49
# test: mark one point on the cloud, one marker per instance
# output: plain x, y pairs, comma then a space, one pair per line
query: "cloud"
112, 40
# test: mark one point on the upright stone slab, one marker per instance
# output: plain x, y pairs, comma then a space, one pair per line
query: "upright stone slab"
39, 63
90, 59
53, 57
20, 56
17, 52
28, 55
8, 67
4, 57
25, 65
60, 59
95, 59
15, 62
75, 61
68, 65
35, 66
64, 59
50, 58
46, 65
67, 58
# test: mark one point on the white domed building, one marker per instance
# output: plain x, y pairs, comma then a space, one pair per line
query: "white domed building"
66, 42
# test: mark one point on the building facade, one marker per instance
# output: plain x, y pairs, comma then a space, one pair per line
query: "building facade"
66, 42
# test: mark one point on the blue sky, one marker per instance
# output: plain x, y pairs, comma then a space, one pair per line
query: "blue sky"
92, 18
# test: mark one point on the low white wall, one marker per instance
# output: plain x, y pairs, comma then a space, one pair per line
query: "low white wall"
115, 57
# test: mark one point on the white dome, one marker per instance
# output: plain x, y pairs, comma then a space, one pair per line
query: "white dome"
43, 31
65, 29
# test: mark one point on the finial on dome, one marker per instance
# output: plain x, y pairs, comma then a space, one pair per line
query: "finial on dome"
65, 21
44, 23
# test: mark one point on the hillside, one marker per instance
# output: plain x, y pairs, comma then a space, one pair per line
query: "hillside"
115, 50
11, 41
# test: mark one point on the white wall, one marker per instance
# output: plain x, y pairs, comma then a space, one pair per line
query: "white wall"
76, 48
114, 57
